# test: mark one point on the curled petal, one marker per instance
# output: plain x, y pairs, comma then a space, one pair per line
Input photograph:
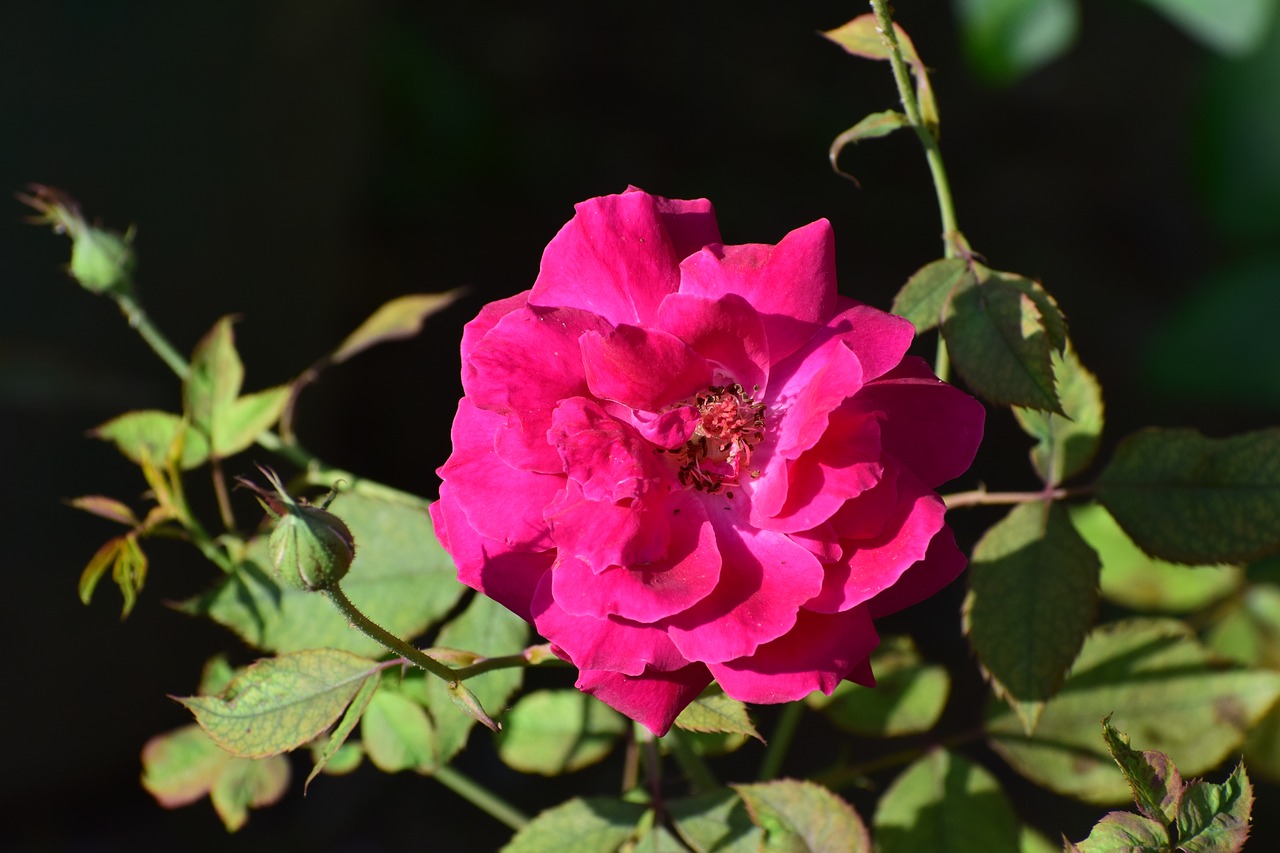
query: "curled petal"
654, 699
605, 457
603, 533
643, 369
727, 332
879, 340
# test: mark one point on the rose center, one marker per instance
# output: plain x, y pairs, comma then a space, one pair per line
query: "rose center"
730, 423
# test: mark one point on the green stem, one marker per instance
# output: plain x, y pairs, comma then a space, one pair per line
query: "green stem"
520, 659
780, 741
381, 635
981, 497
691, 763
481, 797
159, 344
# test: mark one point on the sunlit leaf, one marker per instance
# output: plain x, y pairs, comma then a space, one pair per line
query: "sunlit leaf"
280, 703
1186, 498
154, 435
803, 817
1153, 780
105, 507
713, 711
715, 821
579, 826
248, 784
1033, 590
216, 376
1154, 678
402, 317
908, 698
338, 737
397, 733
245, 418
944, 804
558, 731
1215, 818
1125, 831
1066, 445
873, 126
923, 297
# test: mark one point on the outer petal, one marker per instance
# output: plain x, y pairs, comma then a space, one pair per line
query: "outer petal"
726, 331
527, 363
500, 502
613, 644
508, 577
614, 258
764, 579
817, 654
690, 224
687, 574
792, 285
653, 699
930, 427
474, 332
874, 565
941, 566
642, 369
879, 339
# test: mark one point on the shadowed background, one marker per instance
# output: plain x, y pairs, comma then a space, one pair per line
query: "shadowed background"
300, 163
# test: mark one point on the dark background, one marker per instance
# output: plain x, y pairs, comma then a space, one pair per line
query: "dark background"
299, 163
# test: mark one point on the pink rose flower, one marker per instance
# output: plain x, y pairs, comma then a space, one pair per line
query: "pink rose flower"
685, 461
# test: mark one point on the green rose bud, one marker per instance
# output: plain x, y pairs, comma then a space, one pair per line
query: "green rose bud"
310, 547
101, 260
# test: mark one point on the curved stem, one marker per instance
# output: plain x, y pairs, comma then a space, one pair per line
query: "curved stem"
780, 741
385, 638
981, 497
481, 797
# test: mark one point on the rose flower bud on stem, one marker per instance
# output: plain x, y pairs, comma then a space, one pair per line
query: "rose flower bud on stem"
684, 461
310, 547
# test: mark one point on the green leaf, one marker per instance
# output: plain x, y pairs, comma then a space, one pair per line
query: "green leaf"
1186, 498
105, 507
402, 317
593, 825
803, 817
1030, 841
1233, 27
184, 765
397, 733
873, 126
908, 698
1156, 679
558, 731
1215, 818
239, 424
922, 299
490, 630
999, 341
217, 675
1132, 579
861, 37
1249, 632
1153, 780
248, 784
713, 711
401, 578
1126, 831
945, 804
338, 737
1033, 591
155, 436
1065, 445
1006, 39
128, 564
715, 821
278, 704
216, 376
345, 760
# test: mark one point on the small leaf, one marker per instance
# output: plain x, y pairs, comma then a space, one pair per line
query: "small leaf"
156, 436
1154, 782
1186, 498
1033, 592
861, 37
1215, 818
873, 126
1156, 679
589, 825
713, 711
944, 804
180, 767
239, 424
216, 376
108, 508
128, 564
248, 784
1132, 579
402, 317
280, 703
1126, 831
397, 733
1006, 39
1065, 445
715, 821
908, 698
922, 299
338, 737
998, 340
558, 731
804, 817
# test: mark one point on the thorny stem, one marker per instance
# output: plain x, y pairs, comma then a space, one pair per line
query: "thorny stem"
780, 741
981, 497
383, 637
480, 797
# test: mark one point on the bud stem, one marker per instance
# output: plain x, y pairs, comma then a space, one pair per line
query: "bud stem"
381, 635
159, 344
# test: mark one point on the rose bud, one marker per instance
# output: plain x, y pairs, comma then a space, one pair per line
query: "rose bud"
101, 260
310, 547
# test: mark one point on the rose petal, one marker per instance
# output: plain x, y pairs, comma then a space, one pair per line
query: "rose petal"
942, 564
604, 534
727, 332
606, 458
653, 699
669, 429
878, 339
642, 369
614, 258
791, 285
817, 654
508, 577
691, 224
814, 390
474, 332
